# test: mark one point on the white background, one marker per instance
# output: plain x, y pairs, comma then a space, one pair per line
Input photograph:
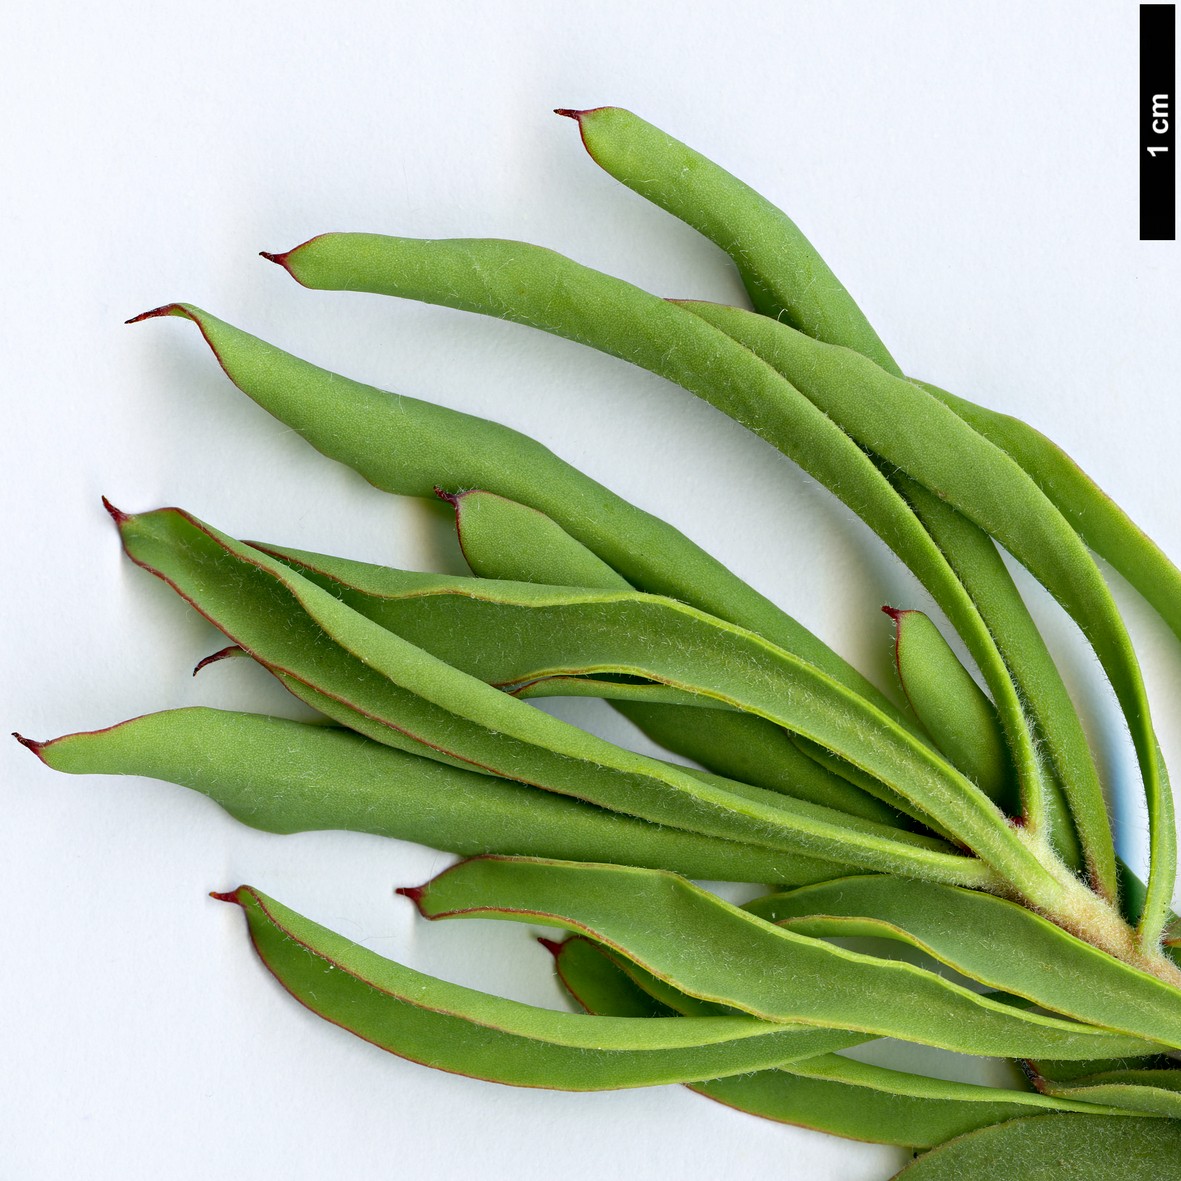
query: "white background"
970, 171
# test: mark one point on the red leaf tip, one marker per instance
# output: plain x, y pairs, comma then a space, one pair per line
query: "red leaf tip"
895, 613
283, 259
452, 498
570, 113
117, 515
553, 946
214, 657
414, 893
232, 896
31, 743
165, 309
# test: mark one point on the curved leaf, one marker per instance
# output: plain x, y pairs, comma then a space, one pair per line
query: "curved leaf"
284, 776
1056, 1148
513, 633
1063, 748
709, 949
788, 281
377, 683
949, 703
784, 275
912, 429
833, 1094
462, 621
1099, 521
407, 446
537, 287
516, 543
463, 1031
1150, 1092
995, 942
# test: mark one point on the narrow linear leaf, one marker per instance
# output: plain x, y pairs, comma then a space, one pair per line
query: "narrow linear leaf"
954, 709
516, 543
784, 275
1149, 1092
285, 777
377, 683
537, 287
709, 949
1069, 765
457, 1029
996, 942
912, 429
827, 1092
748, 748
403, 445
608, 979
1065, 1072
555, 631
788, 281
1063, 1147
1098, 520
456, 619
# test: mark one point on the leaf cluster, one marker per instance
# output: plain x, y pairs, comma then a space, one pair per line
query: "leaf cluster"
967, 825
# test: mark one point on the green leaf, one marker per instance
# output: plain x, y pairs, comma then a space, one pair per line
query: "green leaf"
407, 446
1149, 1092
458, 1029
913, 430
378, 684
464, 622
956, 712
540, 288
709, 949
788, 281
515, 633
285, 776
515, 543
995, 942
1056, 1148
1133, 1095
1068, 765
1099, 521
782, 271
828, 1092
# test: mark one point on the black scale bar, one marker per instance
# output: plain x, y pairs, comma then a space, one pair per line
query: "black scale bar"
1158, 170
